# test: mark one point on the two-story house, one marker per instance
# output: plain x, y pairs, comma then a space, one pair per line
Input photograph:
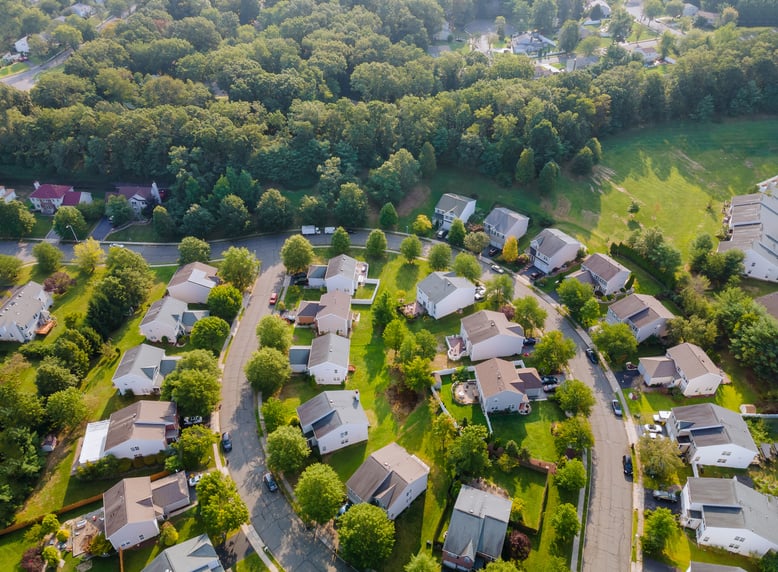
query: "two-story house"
194, 555
605, 275
502, 223
551, 249
753, 226
142, 370
24, 313
193, 282
333, 313
500, 389
139, 197
488, 334
169, 319
451, 207
443, 293
685, 366
644, 314
333, 420
48, 198
328, 359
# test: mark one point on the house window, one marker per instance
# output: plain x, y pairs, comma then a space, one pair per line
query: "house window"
726, 453
141, 537
740, 539
706, 539
723, 461
134, 448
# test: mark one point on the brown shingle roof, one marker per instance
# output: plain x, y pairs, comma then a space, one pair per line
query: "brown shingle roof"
127, 501
486, 324
495, 376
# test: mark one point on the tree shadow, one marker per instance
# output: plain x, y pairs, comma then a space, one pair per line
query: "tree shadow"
407, 276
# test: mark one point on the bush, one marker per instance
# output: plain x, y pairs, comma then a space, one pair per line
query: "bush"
35, 350
518, 546
58, 282
32, 561
104, 468
100, 545
168, 536
63, 535
124, 465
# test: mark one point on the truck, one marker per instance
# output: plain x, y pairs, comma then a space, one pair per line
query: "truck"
308, 230
329, 230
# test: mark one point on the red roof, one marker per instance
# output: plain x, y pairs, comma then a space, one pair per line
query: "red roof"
50, 191
71, 199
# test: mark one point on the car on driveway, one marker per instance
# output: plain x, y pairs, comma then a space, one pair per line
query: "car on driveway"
270, 482
652, 429
226, 442
273, 298
592, 355
626, 462
616, 407
193, 420
665, 496
550, 387
493, 250
535, 275
530, 341
194, 478
441, 234
549, 379
498, 269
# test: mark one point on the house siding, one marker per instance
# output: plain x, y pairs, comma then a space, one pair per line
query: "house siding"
729, 540
727, 455
411, 493
137, 448
342, 437
498, 346
329, 373
134, 533
334, 324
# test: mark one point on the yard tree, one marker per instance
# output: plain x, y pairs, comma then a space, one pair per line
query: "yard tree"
468, 455
667, 40
590, 313
519, 545
366, 536
615, 341
583, 162
340, 243
320, 493
588, 46
225, 301
417, 374
297, 254
422, 225
221, 508
193, 249
620, 24
274, 413
553, 352
375, 246
17, 220
467, 266
48, 256
197, 221
196, 392
351, 206
287, 449
660, 526
240, 267
444, 430
194, 446
565, 522
457, 232
52, 376
568, 36
543, 13
525, 167
387, 218
274, 332
268, 370
118, 210
163, 223
200, 360
273, 212
67, 218
168, 535
234, 215
499, 289
659, 459
383, 311
210, 333
66, 409
410, 248
422, 562
439, 257
510, 251
574, 294
755, 344
501, 565
529, 314
575, 396
694, 330
407, 350
50, 554
571, 476
313, 211
49, 525
574, 433
549, 175
653, 9
10, 268
87, 255
427, 160
426, 344
475, 242
394, 334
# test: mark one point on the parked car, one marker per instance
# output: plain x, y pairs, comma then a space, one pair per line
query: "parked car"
270, 482
550, 387
116, 245
626, 462
549, 379
273, 298
535, 275
616, 407
592, 355
300, 281
530, 341
194, 478
441, 234
493, 250
666, 496
652, 428
498, 269
479, 295
226, 442
299, 275
193, 420
661, 417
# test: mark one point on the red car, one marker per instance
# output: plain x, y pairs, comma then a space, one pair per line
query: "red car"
273, 298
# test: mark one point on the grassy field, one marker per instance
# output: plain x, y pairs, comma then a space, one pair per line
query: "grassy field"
135, 233
13, 68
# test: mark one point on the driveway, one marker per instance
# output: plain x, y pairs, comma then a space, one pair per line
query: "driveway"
101, 229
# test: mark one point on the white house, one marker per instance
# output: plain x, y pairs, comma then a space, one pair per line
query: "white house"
48, 198
142, 370
194, 555
686, 366
328, 359
451, 207
333, 420
769, 186
443, 293
551, 249
334, 313
708, 434
24, 313
22, 46
193, 282
141, 429
498, 386
7, 195
729, 515
139, 197
753, 224
344, 274
487, 334
502, 223
391, 478
644, 314
604, 274
604, 8
169, 319
133, 507
530, 43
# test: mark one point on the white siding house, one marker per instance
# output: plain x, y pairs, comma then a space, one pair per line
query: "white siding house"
487, 334
753, 224
24, 312
169, 319
685, 366
443, 293
139, 197
604, 274
451, 207
334, 313
645, 315
193, 282
142, 370
48, 198
328, 359
344, 274
551, 249
502, 223
333, 420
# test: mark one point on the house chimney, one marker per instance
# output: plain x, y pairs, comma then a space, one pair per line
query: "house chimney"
36, 184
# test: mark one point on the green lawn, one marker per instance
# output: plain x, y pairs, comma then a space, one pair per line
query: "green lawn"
252, 563
13, 68
682, 549
136, 233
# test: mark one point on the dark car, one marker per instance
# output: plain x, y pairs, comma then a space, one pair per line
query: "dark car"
441, 234
530, 341
535, 275
270, 482
549, 379
226, 442
299, 276
616, 407
666, 496
592, 355
193, 420
493, 250
300, 281
626, 461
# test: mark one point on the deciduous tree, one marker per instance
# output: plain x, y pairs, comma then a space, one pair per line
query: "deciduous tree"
340, 243
427, 160
615, 341
574, 433
87, 255
529, 314
10, 268
194, 446
118, 210
422, 562
510, 250
468, 455
383, 311
467, 266
274, 332
439, 257
220, 505
499, 289
320, 493
351, 206
210, 333
660, 526
297, 253
571, 476
659, 458
49, 257
366, 536
417, 374
565, 522
196, 392
273, 212
553, 351
575, 396
457, 232
268, 370
410, 248
240, 267
388, 217
287, 449
66, 409
475, 242
17, 220
225, 301
274, 413
375, 247
422, 225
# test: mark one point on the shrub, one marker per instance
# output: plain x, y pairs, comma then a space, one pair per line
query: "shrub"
168, 535
58, 282
518, 546
32, 561
35, 350
100, 545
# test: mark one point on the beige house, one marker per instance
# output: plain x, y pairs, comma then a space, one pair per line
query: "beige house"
644, 314
334, 313
499, 388
487, 334
685, 366
604, 274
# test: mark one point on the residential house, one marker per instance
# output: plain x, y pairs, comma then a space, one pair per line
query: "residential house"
690, 10
48, 198
551, 249
487, 334
169, 319
502, 223
193, 282
500, 388
194, 555
142, 370
531, 44
315, 276
298, 358
644, 314
685, 366
753, 226
344, 274
769, 186
139, 197
391, 478
133, 507
729, 515
770, 303
138, 430
82, 10
451, 207
476, 530
22, 46
334, 313
708, 434
7, 195
328, 359
24, 313
443, 293
603, 273
603, 8
333, 420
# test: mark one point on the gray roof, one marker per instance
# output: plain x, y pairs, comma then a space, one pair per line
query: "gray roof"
194, 555
770, 303
603, 266
453, 203
550, 240
197, 273
335, 302
298, 355
438, 285
503, 219
143, 360
692, 360
710, 424
341, 265
640, 309
317, 271
497, 375
478, 523
168, 309
144, 419
486, 324
329, 348
308, 309
386, 473
128, 501
332, 409
705, 567
754, 223
170, 490
22, 305
659, 366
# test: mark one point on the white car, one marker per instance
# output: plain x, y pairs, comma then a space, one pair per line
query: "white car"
194, 478
498, 269
652, 428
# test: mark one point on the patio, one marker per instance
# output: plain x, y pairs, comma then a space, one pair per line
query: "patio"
456, 348
465, 392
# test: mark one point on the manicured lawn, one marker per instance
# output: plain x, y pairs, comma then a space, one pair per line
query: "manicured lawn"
756, 288
302, 336
135, 233
13, 68
188, 526
682, 549
252, 563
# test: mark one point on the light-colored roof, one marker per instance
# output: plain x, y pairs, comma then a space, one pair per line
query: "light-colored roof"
144, 419
692, 360
486, 324
754, 223
93, 444
603, 266
143, 360
170, 490
550, 240
439, 285
194, 555
330, 410
770, 303
705, 567
329, 348
337, 303
298, 355
710, 424
659, 366
196, 273
640, 309
341, 265
478, 523
128, 501
168, 310
386, 473
497, 375
453, 203
503, 219
23, 305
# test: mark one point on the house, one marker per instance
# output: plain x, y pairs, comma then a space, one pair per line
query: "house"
48, 198
142, 370
22, 46
24, 313
315, 276
500, 388
82, 10
298, 358
443, 293
328, 359
551, 249
193, 282
141, 429
685, 366
132, 508
391, 478
770, 303
194, 555
689, 10
487, 334
451, 207
334, 313
753, 224
139, 197
711, 435
168, 319
333, 420
502, 223
7, 195
344, 274
769, 186
531, 44
644, 314
603, 9
477, 528
705, 567
604, 274
727, 514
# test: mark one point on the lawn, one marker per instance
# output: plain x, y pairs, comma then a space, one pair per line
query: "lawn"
682, 549
135, 233
13, 68
252, 563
